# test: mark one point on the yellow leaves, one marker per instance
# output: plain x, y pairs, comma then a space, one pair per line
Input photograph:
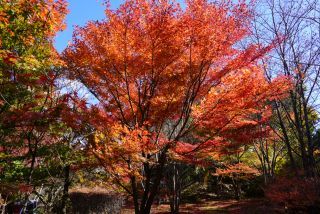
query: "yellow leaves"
316, 152
29, 62
22, 22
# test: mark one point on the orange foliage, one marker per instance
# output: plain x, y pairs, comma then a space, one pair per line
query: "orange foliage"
238, 171
232, 113
29, 103
161, 73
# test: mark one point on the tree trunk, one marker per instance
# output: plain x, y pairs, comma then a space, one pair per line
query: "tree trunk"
236, 188
298, 124
286, 140
176, 191
135, 195
145, 207
67, 182
311, 161
33, 153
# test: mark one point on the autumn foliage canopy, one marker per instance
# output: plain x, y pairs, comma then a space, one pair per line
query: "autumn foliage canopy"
29, 106
171, 82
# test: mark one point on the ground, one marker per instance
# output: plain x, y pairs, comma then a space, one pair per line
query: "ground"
249, 206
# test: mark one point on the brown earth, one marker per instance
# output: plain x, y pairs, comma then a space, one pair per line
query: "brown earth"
250, 206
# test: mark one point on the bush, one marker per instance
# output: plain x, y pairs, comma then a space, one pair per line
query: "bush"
86, 201
296, 194
254, 188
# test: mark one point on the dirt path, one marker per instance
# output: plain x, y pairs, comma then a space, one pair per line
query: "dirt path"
250, 206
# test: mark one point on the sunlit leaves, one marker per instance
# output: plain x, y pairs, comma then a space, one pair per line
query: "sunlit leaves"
177, 74
29, 105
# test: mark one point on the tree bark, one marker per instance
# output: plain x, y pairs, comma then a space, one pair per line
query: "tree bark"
286, 140
311, 161
67, 182
135, 195
176, 191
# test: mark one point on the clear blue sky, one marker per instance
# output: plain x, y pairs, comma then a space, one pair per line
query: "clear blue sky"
80, 12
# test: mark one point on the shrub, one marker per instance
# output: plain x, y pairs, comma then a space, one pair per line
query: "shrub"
296, 194
88, 201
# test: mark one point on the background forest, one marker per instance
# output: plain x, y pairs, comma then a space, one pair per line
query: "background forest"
160, 105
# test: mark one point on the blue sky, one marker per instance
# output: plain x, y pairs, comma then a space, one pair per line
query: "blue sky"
80, 12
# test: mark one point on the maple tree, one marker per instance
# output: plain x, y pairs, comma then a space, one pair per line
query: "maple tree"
237, 172
30, 105
160, 73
